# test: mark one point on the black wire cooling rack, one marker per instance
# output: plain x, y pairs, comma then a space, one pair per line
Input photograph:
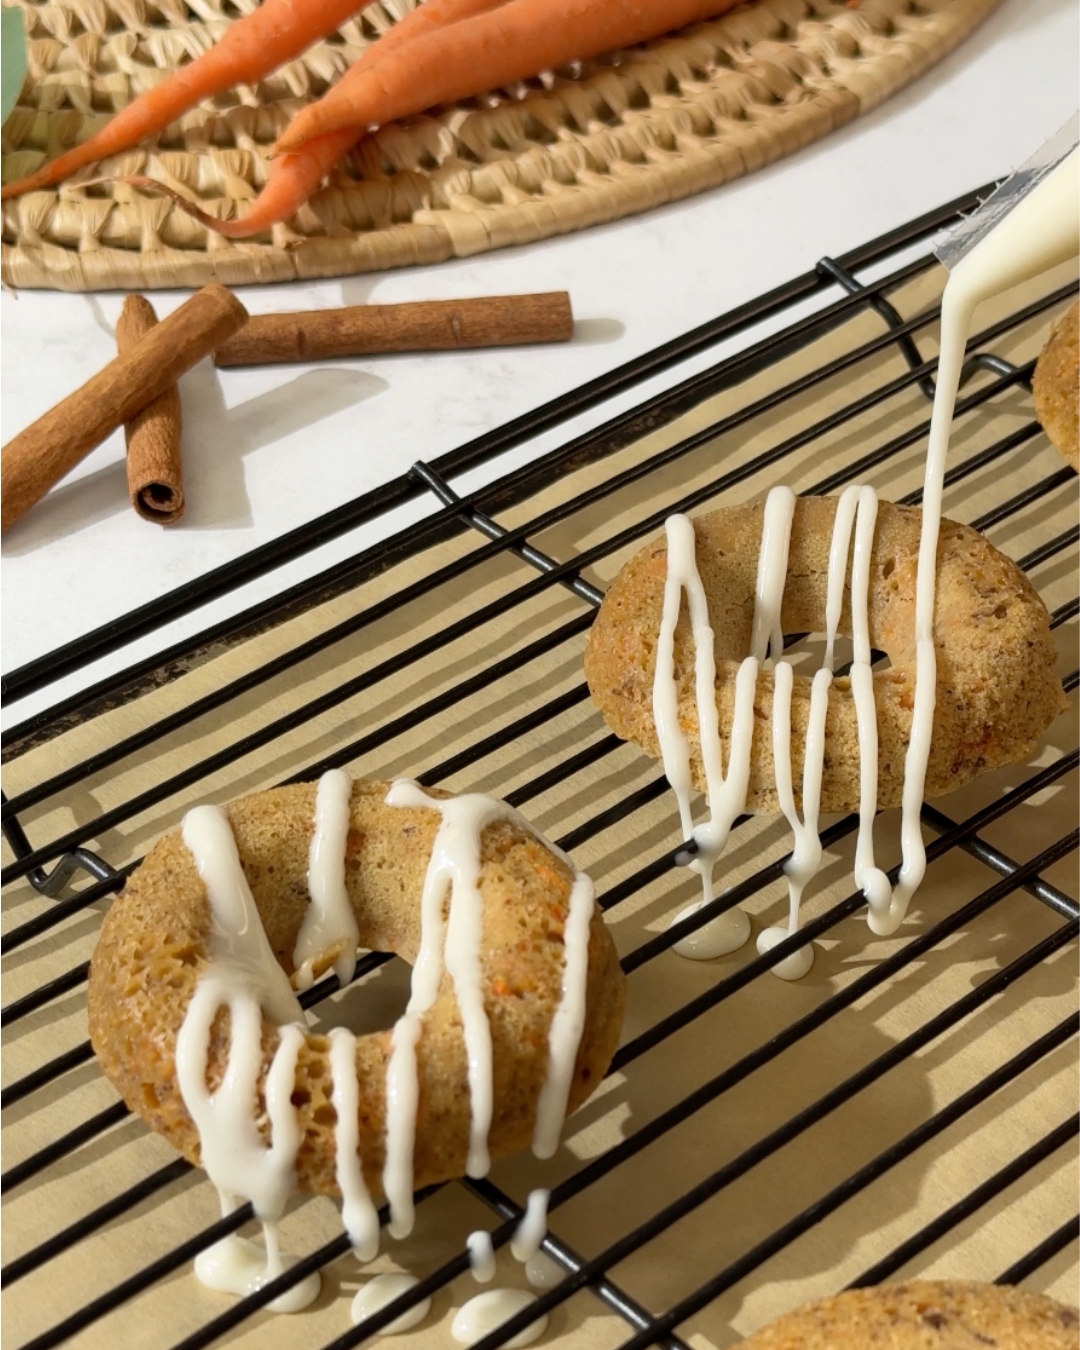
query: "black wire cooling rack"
908, 1108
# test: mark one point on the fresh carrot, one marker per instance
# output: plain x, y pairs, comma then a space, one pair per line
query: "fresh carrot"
251, 48
515, 41
293, 178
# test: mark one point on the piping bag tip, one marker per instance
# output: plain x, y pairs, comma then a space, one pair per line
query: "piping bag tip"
960, 239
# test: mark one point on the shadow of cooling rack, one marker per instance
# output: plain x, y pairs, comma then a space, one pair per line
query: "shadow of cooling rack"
909, 1108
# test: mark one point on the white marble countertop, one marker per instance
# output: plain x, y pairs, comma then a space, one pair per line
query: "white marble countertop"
267, 449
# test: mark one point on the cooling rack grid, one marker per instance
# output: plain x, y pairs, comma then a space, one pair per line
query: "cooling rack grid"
908, 1108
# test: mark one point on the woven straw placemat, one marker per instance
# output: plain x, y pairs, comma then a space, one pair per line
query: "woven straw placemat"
595, 143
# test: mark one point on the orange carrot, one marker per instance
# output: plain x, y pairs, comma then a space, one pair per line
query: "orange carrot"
251, 48
517, 40
293, 178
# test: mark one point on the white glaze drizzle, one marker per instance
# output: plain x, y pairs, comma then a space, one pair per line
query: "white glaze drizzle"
402, 1098
806, 852
238, 942
568, 1020
491, 1309
727, 796
236, 1266
383, 1289
529, 1233
802, 866
358, 1211
873, 882
455, 865
329, 918
245, 978
725, 793
721, 935
542, 1272
1040, 232
481, 1256
728, 931
856, 508
768, 627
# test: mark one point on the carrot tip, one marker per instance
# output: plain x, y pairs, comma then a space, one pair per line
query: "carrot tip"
222, 227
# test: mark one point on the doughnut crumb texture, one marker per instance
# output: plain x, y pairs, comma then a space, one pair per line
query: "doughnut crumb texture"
924, 1315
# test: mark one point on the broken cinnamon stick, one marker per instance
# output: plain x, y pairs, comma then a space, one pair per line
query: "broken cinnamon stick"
427, 325
40, 456
155, 472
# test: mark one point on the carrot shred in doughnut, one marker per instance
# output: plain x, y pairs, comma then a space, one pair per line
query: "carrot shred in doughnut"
548, 876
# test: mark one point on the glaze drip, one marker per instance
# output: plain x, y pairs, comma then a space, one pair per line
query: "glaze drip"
484, 1313
383, 1289
856, 512
245, 979
455, 866
481, 1256
329, 919
529, 1234
358, 1211
568, 1021
725, 793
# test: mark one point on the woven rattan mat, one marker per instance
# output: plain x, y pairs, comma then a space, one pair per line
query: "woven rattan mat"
609, 139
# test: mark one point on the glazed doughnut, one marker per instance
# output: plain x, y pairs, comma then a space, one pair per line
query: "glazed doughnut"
1055, 386
924, 1315
996, 688
516, 1009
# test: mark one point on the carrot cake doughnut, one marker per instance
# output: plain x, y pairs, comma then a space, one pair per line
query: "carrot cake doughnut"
1056, 386
996, 688
710, 695
924, 1315
515, 1011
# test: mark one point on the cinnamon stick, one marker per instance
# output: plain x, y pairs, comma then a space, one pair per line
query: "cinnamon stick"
40, 456
155, 472
428, 325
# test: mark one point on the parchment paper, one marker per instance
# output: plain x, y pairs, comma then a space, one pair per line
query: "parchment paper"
848, 1241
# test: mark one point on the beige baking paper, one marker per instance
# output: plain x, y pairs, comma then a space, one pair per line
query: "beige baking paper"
718, 1232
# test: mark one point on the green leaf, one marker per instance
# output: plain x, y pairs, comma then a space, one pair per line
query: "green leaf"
13, 56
